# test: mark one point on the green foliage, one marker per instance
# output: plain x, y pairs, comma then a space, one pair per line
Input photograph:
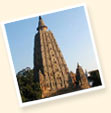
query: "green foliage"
29, 89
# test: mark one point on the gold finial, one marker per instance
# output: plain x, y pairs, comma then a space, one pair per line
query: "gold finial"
41, 25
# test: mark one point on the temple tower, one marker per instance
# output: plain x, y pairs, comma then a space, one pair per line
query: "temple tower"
81, 78
50, 69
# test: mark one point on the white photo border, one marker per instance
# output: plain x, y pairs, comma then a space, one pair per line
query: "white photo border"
58, 96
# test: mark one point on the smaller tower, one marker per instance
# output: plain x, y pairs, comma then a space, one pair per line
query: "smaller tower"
81, 79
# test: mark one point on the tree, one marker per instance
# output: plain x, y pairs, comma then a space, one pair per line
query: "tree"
29, 89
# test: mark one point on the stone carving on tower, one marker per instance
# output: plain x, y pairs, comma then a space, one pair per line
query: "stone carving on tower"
50, 69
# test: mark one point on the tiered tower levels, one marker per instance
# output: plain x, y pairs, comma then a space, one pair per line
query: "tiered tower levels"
50, 69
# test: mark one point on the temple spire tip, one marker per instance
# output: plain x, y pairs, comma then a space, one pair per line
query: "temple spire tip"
78, 64
40, 17
41, 24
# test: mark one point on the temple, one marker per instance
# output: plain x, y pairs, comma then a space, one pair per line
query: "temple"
50, 68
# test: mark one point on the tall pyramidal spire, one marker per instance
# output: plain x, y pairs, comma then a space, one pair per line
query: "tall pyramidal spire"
41, 24
50, 69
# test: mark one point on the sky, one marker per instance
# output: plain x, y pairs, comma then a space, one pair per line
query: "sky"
70, 29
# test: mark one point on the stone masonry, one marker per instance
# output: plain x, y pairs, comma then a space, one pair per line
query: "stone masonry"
50, 69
